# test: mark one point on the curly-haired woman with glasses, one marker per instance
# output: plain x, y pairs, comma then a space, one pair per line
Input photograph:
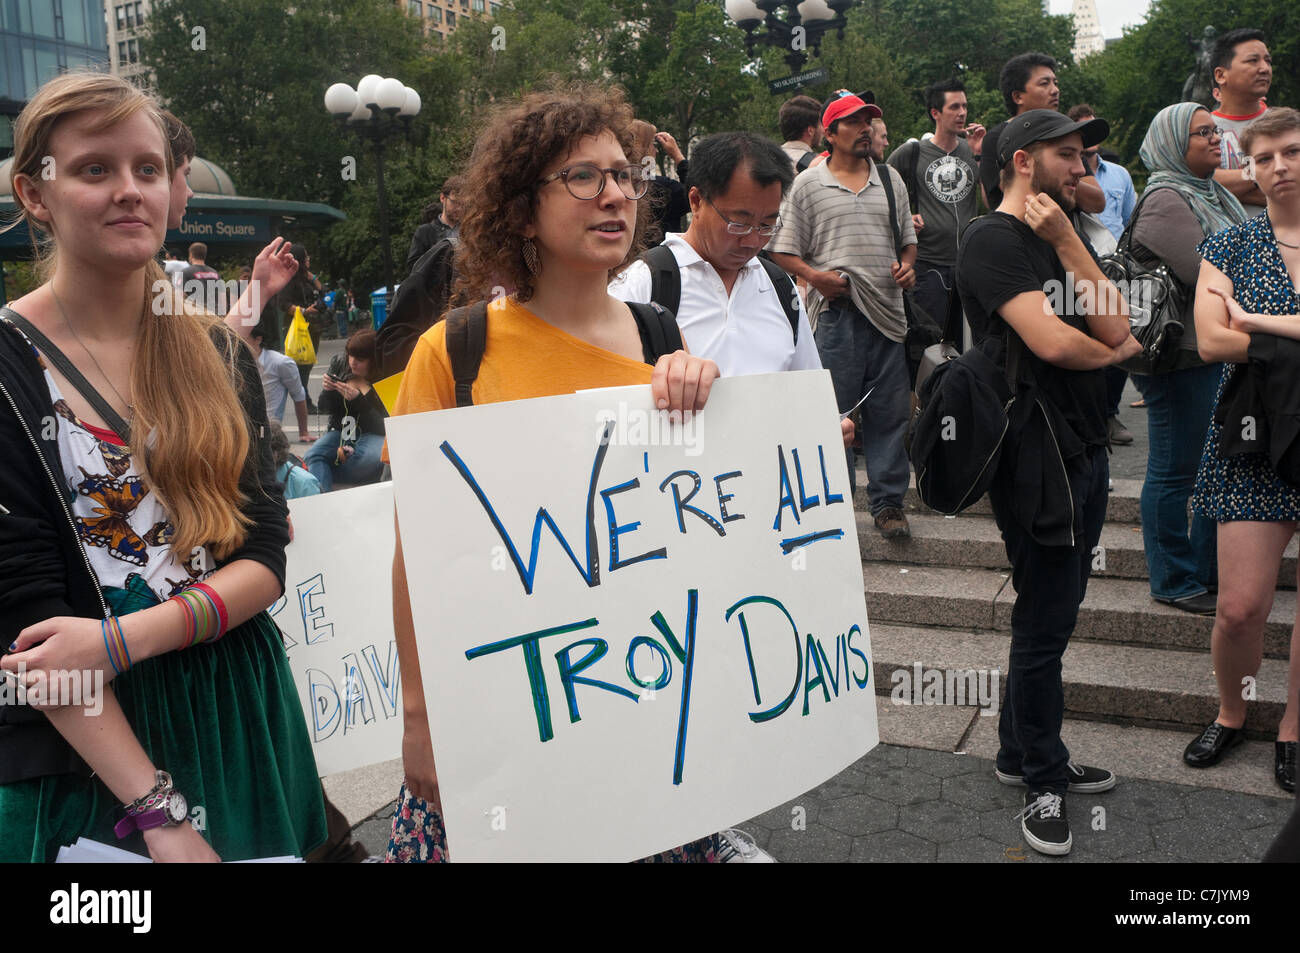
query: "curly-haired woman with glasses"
551, 214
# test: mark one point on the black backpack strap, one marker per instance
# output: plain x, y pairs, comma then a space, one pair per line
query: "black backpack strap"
466, 342
1015, 348
70, 373
784, 287
660, 334
887, 180
805, 160
665, 277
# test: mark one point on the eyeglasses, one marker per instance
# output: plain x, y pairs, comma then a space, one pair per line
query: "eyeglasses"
740, 228
586, 181
1208, 132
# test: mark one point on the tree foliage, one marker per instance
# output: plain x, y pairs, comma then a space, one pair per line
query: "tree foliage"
1145, 70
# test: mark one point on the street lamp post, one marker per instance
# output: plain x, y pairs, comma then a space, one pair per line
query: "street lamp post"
802, 25
378, 109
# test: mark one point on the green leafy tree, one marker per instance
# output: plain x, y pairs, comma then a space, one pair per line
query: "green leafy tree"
1145, 70
699, 85
249, 78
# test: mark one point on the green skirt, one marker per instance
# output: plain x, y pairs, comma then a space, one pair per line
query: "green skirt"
225, 721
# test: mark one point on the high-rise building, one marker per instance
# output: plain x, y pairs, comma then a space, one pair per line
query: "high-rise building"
1087, 29
38, 40
125, 18
443, 16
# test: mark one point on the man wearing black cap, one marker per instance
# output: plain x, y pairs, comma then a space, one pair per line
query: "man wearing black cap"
1033, 292
836, 234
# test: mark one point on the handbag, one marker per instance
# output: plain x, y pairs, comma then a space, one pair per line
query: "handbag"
297, 343
1156, 303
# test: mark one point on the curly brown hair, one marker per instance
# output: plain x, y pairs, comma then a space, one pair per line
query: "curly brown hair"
500, 192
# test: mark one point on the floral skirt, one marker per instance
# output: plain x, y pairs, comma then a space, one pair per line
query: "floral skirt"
418, 837
1241, 487
225, 721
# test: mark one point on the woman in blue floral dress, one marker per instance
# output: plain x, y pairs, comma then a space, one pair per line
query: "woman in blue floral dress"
1248, 286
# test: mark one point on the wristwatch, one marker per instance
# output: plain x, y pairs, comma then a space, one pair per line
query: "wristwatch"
174, 810
163, 806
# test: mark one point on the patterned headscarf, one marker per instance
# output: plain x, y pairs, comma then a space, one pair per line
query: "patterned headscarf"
1164, 152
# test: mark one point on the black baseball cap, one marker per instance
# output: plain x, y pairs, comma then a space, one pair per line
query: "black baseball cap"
1044, 125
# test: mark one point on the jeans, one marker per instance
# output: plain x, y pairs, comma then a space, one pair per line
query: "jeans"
341, 319
861, 359
1050, 584
304, 373
933, 289
363, 466
1179, 407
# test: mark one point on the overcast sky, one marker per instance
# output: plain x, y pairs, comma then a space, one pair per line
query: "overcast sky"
1114, 14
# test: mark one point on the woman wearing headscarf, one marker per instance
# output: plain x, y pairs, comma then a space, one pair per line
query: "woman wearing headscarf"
1181, 205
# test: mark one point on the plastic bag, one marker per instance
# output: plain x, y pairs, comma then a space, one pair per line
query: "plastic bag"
297, 343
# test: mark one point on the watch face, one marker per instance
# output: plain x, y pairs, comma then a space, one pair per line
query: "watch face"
178, 810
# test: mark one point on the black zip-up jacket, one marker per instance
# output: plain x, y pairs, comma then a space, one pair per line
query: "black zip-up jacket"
1267, 391
43, 568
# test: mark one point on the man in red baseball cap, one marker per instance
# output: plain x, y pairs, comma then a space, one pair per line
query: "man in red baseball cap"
837, 235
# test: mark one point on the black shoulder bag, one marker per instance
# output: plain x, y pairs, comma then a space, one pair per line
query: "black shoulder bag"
1156, 302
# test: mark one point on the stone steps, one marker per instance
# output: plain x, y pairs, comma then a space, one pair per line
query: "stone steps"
973, 541
1115, 611
1122, 508
1116, 683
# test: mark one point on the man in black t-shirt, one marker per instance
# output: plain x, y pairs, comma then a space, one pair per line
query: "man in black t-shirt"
1029, 284
201, 283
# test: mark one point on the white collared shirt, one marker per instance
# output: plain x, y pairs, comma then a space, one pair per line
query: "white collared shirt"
746, 332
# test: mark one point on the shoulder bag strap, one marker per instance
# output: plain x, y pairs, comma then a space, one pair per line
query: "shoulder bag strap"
1126, 239
887, 180
71, 374
913, 184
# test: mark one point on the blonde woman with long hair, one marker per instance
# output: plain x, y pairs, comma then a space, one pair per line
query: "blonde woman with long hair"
142, 532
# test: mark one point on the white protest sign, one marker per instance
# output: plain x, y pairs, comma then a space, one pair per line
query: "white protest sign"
632, 635
337, 617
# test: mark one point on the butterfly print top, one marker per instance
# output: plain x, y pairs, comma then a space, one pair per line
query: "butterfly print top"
123, 527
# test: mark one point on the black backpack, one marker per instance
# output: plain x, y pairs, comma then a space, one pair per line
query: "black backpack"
419, 303
666, 283
960, 425
467, 340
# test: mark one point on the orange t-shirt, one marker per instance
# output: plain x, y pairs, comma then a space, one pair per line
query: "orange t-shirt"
524, 357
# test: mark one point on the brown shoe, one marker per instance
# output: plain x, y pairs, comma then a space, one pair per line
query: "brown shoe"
893, 524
